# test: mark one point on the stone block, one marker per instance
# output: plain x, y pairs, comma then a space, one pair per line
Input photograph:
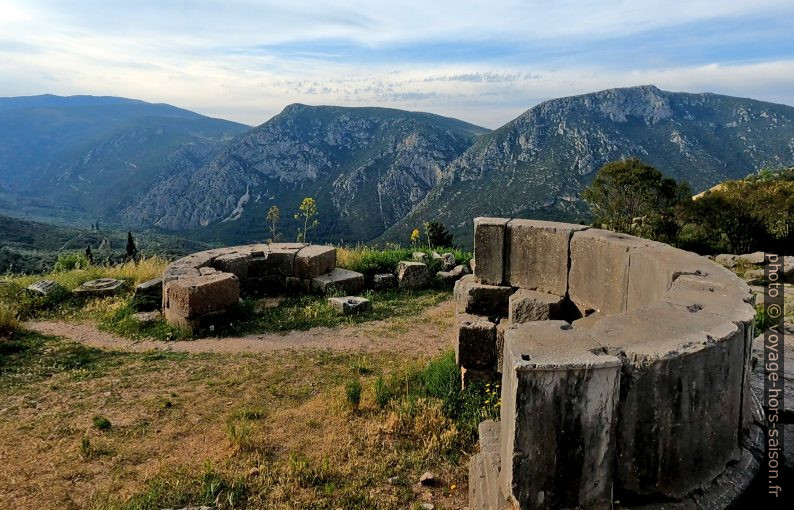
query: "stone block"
264, 285
478, 298
100, 287
599, 275
193, 296
204, 271
175, 272
235, 263
412, 275
757, 258
350, 305
449, 278
471, 375
537, 255
475, 343
384, 281
296, 286
419, 256
587, 321
501, 327
557, 418
338, 280
148, 295
726, 260
448, 261
653, 269
314, 260
43, 287
489, 249
682, 404
530, 305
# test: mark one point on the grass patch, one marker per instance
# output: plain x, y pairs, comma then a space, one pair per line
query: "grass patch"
762, 321
101, 423
372, 261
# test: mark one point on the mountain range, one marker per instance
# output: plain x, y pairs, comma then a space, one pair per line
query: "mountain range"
376, 173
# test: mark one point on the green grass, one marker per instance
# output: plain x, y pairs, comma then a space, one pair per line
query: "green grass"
371, 261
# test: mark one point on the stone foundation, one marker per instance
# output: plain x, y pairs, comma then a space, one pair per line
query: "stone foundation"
201, 287
644, 399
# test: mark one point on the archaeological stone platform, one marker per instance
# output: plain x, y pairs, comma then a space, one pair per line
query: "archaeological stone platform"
624, 369
199, 288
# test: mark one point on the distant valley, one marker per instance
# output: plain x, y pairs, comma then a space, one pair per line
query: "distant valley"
376, 173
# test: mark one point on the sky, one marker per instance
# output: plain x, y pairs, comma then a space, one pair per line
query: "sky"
484, 62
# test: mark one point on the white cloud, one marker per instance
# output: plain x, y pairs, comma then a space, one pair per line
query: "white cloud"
218, 58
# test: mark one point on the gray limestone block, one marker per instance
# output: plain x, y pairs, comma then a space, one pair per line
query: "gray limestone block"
682, 402
558, 417
235, 263
475, 343
43, 287
537, 254
338, 280
531, 305
412, 275
100, 287
350, 305
384, 281
489, 244
472, 296
314, 260
599, 275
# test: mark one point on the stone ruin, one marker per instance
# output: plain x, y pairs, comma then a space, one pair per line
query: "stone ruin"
200, 288
625, 368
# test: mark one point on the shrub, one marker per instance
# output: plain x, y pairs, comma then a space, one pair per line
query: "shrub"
8, 319
353, 392
70, 261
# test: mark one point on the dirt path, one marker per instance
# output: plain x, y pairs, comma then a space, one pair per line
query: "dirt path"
426, 334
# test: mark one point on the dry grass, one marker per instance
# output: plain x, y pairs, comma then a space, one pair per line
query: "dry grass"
131, 272
252, 431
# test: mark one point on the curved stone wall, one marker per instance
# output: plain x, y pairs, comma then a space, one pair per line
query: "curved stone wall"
202, 286
624, 366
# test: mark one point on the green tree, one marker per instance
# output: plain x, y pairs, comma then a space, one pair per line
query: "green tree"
307, 211
132, 250
438, 235
273, 215
89, 255
633, 197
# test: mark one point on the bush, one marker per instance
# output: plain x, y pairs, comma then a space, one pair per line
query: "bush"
9, 322
70, 261
353, 392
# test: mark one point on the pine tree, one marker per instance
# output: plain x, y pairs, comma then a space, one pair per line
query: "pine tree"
89, 255
132, 250
437, 235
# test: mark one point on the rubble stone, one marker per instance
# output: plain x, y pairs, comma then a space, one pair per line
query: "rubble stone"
412, 275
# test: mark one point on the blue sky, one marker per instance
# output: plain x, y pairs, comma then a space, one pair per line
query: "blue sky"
484, 62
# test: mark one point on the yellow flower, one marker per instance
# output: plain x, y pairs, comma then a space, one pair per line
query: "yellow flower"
415, 235
453, 487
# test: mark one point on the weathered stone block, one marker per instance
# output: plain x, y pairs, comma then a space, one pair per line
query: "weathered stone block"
204, 271
148, 295
599, 275
193, 296
43, 287
475, 344
501, 327
531, 305
384, 281
314, 260
419, 256
338, 280
412, 275
100, 287
489, 249
295, 286
757, 257
174, 272
485, 467
478, 298
350, 305
235, 263
681, 407
448, 261
471, 375
557, 418
537, 255
450, 277
653, 269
